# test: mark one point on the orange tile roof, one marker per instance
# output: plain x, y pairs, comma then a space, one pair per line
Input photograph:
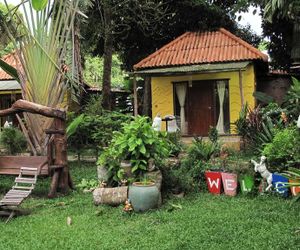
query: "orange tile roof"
202, 47
10, 59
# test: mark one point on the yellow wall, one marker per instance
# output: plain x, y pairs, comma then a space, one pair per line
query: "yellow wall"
162, 91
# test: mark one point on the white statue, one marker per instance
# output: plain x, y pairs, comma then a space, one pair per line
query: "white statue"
264, 172
298, 122
156, 125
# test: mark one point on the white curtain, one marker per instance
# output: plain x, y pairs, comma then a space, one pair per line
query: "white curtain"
181, 94
221, 85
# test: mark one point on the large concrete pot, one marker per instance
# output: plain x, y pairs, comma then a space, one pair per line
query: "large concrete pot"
143, 197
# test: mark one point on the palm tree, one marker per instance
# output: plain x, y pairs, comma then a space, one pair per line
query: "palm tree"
41, 49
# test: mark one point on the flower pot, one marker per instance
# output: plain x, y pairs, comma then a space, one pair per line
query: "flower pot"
229, 183
214, 183
246, 183
143, 197
295, 190
279, 184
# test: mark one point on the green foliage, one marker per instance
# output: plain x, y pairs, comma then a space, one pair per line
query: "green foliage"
263, 97
93, 71
13, 140
95, 131
213, 134
284, 150
174, 143
256, 126
292, 100
138, 143
39, 5
87, 184
73, 126
94, 106
188, 176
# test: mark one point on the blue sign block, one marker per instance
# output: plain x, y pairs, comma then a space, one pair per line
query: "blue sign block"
279, 183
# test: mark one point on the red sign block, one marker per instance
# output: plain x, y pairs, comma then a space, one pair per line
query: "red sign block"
295, 190
213, 180
229, 183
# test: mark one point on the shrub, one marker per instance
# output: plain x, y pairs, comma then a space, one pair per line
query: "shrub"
138, 143
175, 144
284, 150
13, 140
96, 131
292, 100
256, 126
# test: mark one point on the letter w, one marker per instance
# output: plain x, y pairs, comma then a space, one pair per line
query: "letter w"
213, 182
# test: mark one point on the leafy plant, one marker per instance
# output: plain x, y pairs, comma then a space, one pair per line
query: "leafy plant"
88, 184
138, 143
292, 100
213, 134
284, 150
13, 140
94, 131
174, 143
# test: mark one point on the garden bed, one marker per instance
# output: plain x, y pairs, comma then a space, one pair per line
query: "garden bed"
204, 221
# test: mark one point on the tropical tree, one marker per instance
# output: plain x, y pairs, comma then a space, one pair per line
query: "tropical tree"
111, 19
40, 39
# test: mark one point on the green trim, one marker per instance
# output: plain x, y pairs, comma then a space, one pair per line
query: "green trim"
201, 68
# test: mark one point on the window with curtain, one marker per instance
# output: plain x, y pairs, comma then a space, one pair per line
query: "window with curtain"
222, 103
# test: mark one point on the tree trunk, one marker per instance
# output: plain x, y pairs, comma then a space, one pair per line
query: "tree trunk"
108, 50
147, 97
296, 44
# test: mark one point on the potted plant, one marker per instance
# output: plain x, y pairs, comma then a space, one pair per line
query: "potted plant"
144, 195
139, 144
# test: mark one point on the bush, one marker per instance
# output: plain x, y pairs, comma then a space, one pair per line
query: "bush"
138, 143
13, 140
175, 144
284, 150
188, 176
96, 131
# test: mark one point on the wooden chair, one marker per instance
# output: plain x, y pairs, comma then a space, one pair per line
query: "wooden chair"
24, 184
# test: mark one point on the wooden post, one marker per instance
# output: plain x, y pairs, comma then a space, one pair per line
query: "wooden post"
61, 177
241, 88
135, 98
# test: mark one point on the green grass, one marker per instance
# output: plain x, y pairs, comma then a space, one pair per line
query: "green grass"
204, 222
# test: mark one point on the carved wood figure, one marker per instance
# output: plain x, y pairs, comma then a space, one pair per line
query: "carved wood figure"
264, 172
57, 143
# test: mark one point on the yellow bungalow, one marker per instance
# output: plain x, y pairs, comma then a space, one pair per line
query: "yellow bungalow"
203, 79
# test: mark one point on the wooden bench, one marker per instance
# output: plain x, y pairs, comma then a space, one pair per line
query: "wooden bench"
11, 165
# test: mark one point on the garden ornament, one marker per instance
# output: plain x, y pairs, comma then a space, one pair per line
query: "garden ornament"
298, 122
128, 207
156, 125
264, 172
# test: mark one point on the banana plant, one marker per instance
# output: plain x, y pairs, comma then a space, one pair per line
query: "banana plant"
41, 46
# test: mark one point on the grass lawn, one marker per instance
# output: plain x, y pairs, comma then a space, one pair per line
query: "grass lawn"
204, 222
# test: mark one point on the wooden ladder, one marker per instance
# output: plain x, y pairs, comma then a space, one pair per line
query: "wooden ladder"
24, 184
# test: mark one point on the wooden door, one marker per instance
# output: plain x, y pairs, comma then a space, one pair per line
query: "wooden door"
200, 107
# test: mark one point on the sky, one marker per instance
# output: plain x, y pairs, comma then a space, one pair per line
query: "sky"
247, 18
